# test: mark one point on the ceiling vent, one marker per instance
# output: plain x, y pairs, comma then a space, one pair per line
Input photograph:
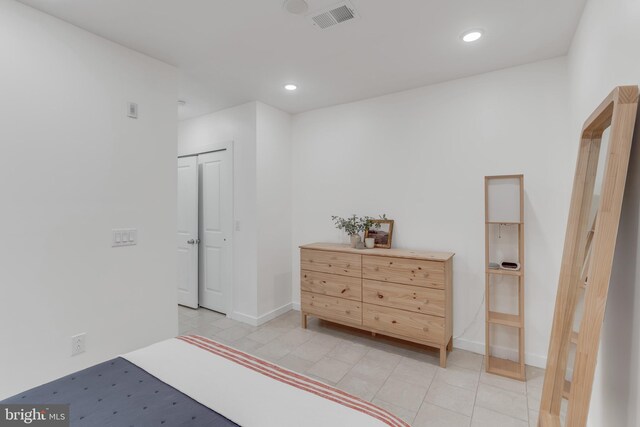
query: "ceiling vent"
336, 14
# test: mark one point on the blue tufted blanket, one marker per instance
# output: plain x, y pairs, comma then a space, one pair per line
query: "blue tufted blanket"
119, 393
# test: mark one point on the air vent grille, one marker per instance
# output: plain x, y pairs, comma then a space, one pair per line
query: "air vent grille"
341, 14
324, 20
335, 15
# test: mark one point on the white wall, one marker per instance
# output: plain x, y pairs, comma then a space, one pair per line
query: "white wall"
420, 157
274, 211
604, 54
236, 124
72, 167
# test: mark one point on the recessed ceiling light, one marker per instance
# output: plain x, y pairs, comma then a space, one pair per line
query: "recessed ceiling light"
471, 36
290, 87
297, 7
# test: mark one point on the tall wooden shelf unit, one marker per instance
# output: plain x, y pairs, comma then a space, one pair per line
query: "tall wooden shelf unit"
504, 208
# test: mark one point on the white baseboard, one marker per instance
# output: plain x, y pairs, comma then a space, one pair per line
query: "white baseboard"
503, 352
274, 313
295, 306
257, 321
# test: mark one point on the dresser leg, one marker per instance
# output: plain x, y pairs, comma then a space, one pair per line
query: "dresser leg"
303, 320
443, 357
450, 345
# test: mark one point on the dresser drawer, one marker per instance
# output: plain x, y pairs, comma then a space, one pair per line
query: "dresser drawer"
406, 271
416, 326
331, 262
332, 308
405, 297
331, 285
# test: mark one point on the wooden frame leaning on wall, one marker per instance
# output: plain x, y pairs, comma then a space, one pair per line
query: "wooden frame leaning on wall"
588, 258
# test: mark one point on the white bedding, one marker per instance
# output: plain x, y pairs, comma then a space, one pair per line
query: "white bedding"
252, 392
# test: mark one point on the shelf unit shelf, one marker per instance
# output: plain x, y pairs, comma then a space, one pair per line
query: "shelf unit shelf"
505, 319
504, 272
506, 201
504, 222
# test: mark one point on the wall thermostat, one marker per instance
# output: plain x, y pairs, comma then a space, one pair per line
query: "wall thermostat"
132, 110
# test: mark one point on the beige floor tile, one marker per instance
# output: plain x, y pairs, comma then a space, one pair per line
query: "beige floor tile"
434, 416
503, 383
295, 364
404, 414
503, 401
451, 397
209, 331
313, 351
266, 334
225, 323
325, 340
533, 417
186, 329
383, 356
465, 359
372, 370
535, 379
483, 417
233, 333
190, 332
403, 394
186, 311
296, 337
414, 372
246, 344
272, 351
330, 369
209, 314
362, 387
459, 377
350, 352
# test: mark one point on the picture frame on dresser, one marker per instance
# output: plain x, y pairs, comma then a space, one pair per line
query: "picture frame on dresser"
403, 294
381, 232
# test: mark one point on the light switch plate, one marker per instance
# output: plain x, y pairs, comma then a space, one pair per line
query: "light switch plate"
124, 237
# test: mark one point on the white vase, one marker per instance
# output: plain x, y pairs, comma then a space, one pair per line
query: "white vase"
354, 240
370, 242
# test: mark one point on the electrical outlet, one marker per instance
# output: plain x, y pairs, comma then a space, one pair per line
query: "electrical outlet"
78, 343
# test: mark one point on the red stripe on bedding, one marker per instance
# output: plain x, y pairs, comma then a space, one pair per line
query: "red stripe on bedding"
306, 381
356, 405
291, 378
299, 381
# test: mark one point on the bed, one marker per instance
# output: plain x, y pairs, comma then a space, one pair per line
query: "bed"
195, 381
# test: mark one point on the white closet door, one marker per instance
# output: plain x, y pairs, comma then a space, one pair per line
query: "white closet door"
187, 236
216, 217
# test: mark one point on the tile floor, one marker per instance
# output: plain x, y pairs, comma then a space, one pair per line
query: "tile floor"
399, 377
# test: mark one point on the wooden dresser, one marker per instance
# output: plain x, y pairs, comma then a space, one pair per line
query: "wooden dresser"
400, 293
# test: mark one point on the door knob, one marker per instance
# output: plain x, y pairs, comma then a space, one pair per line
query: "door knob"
191, 242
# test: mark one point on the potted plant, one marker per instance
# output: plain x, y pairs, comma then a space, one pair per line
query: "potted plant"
350, 225
354, 225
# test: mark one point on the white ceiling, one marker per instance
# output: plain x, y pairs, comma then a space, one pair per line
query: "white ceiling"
234, 51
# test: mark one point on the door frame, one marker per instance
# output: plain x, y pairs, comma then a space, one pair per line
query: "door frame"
210, 148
